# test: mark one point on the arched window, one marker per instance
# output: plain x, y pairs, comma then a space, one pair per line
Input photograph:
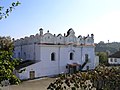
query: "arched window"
52, 56
86, 57
24, 55
18, 54
71, 56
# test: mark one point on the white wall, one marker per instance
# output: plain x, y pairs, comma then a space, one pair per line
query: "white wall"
38, 68
114, 60
36, 48
52, 38
96, 61
25, 49
91, 53
46, 67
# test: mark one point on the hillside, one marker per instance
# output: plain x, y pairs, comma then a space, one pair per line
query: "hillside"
107, 47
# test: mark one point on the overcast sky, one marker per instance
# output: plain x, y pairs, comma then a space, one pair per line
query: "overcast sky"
100, 17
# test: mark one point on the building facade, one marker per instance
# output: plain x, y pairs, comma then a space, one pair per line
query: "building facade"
114, 59
55, 54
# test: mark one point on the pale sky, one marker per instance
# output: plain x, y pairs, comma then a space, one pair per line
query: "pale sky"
100, 17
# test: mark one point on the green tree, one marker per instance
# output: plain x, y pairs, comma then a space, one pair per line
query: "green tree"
5, 14
7, 61
103, 57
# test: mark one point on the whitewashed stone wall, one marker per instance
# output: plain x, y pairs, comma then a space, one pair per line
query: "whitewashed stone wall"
40, 46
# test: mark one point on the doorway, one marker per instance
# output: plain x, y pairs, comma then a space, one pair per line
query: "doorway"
32, 74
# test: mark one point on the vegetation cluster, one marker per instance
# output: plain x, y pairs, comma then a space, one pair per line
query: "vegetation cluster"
107, 47
4, 13
102, 78
7, 61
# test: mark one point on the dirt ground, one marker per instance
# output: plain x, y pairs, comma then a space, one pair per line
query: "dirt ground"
38, 84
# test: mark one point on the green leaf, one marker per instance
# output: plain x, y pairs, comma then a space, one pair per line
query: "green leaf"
13, 4
7, 11
5, 16
17, 3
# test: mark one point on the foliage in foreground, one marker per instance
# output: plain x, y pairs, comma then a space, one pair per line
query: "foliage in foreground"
5, 13
102, 78
7, 62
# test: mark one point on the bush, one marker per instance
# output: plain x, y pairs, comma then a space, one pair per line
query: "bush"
102, 78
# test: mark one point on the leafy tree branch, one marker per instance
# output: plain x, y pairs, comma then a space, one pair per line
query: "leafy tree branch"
7, 61
5, 14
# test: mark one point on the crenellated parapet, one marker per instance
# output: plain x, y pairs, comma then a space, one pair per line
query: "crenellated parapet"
49, 38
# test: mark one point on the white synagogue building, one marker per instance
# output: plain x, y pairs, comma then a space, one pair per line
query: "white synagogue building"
48, 54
